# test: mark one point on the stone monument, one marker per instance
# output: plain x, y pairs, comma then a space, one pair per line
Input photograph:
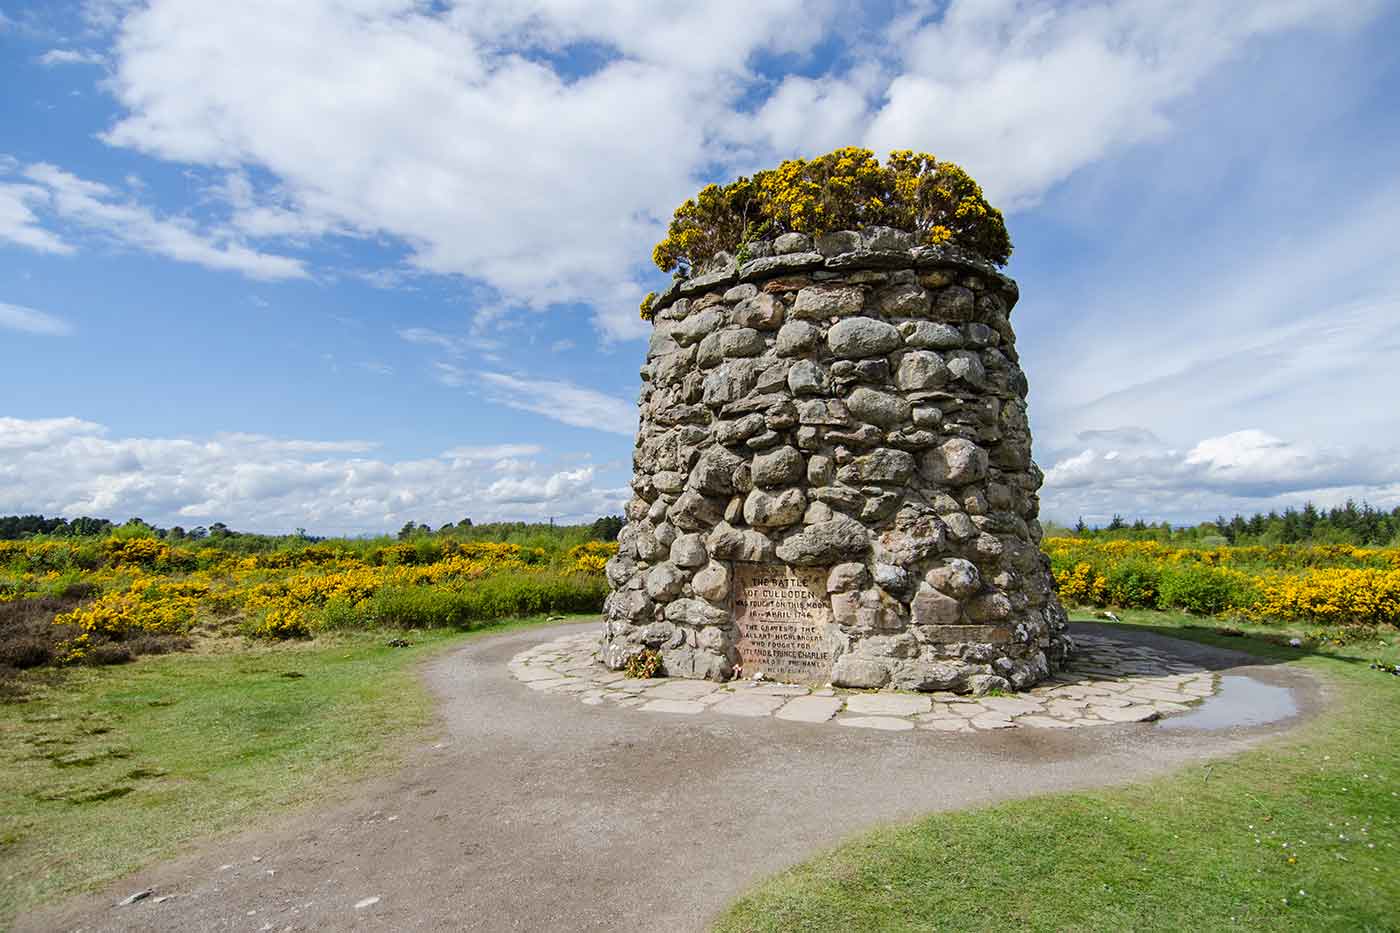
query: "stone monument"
833, 477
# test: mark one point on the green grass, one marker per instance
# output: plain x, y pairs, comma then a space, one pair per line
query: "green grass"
108, 769
1207, 848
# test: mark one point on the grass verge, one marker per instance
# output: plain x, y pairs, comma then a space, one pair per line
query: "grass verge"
1302, 834
108, 769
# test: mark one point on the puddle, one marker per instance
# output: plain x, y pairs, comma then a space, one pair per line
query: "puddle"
1240, 701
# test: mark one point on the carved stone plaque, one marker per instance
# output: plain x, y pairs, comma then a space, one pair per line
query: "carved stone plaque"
783, 614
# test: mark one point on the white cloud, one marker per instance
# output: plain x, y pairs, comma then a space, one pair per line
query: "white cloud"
564, 401
1293, 334
493, 452
71, 467
18, 223
29, 321
477, 138
1026, 93
1130, 472
538, 146
96, 207
450, 374
452, 343
70, 57
39, 433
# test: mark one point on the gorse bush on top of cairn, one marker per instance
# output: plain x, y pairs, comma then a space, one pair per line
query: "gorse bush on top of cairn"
847, 189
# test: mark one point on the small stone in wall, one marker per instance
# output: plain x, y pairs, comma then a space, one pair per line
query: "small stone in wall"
818, 302
744, 341
826, 543
797, 337
903, 301
846, 577
761, 312
860, 337
730, 433
931, 607
931, 335
922, 369
954, 303
664, 582
766, 510
781, 467
688, 551
792, 243
807, 378
712, 583
956, 462
882, 408
884, 465
859, 673
838, 242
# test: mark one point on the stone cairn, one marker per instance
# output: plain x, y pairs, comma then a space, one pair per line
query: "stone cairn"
833, 477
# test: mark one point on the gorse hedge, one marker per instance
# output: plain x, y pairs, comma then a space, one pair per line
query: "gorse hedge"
129, 589
1327, 584
847, 189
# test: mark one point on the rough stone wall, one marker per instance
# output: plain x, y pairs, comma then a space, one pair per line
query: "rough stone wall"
853, 404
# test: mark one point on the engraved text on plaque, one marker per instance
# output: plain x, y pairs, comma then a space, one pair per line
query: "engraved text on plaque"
783, 614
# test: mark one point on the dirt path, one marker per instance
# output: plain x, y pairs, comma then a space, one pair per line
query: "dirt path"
534, 812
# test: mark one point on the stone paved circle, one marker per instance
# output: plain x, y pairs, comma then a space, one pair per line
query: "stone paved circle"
1107, 681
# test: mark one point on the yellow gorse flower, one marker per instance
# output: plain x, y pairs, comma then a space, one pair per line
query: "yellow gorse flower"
847, 189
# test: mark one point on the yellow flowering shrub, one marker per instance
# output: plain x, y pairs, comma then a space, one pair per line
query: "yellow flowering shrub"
591, 557
145, 552
145, 605
847, 189
1330, 595
1329, 584
283, 623
1081, 584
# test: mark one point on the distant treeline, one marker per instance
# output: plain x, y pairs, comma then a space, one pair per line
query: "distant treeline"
1354, 524
526, 534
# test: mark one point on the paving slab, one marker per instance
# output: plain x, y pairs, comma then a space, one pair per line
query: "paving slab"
809, 709
892, 704
689, 707
749, 705
681, 689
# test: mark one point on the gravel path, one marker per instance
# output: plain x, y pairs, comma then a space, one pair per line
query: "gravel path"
532, 811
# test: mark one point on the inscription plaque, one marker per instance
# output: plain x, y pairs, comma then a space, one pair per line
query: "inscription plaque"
783, 614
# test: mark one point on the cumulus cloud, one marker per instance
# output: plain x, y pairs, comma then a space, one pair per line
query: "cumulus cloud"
530, 146
1030, 92
28, 321
70, 467
537, 147
1129, 471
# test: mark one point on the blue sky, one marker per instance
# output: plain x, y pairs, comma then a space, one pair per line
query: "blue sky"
342, 265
